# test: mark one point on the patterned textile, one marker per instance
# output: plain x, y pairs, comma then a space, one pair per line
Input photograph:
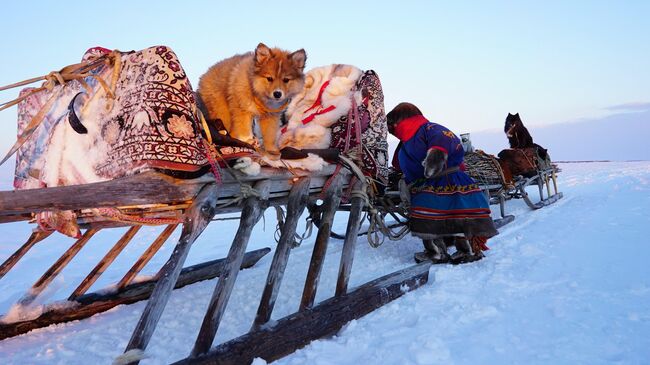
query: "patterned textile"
150, 124
450, 204
373, 129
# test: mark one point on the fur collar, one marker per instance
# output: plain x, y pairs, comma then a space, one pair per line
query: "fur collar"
407, 128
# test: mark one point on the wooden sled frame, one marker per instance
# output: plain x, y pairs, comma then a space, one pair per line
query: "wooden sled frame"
200, 200
542, 179
497, 194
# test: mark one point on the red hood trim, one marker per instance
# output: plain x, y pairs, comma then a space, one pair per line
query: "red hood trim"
407, 128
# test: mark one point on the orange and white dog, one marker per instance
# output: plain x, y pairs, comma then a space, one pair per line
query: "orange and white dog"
253, 86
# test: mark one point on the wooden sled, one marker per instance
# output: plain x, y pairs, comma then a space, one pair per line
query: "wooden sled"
200, 200
542, 179
154, 198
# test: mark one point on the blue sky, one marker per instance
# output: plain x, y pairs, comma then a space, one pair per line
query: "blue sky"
466, 64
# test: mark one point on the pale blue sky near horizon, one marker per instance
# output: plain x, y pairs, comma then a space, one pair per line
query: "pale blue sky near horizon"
466, 64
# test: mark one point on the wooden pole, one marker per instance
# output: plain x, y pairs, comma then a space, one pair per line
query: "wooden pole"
349, 243
104, 263
13, 259
330, 204
56, 268
197, 218
297, 330
253, 208
298, 198
146, 256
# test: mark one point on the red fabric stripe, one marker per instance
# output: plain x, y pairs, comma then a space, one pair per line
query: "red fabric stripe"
474, 210
319, 99
441, 218
439, 149
313, 115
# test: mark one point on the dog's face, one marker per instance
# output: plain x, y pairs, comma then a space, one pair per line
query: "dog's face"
513, 121
277, 74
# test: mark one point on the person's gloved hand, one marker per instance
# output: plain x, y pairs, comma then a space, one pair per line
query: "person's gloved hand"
434, 163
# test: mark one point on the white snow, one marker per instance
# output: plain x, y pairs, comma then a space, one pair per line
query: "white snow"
565, 284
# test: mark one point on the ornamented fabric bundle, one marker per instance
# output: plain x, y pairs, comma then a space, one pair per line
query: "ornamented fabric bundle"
138, 113
132, 113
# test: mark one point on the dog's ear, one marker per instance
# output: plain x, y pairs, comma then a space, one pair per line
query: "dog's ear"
262, 53
299, 58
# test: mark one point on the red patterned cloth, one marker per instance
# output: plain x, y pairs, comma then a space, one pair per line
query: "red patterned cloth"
373, 128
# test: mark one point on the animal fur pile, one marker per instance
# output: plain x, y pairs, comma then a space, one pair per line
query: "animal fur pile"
325, 98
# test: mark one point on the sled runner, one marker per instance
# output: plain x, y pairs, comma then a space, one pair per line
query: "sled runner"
158, 164
508, 177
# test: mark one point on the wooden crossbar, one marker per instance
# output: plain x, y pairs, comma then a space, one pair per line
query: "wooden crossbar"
105, 262
146, 256
57, 267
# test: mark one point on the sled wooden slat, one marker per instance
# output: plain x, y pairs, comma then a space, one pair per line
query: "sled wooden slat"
146, 256
252, 209
90, 304
14, 218
105, 262
330, 204
56, 268
196, 219
297, 330
13, 259
349, 243
141, 189
540, 179
297, 201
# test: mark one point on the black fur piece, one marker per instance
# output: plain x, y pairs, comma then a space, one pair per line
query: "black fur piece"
290, 153
73, 119
221, 138
434, 163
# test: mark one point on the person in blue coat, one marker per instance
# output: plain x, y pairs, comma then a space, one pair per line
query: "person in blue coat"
447, 206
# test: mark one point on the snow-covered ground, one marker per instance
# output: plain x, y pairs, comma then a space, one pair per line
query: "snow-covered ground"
566, 284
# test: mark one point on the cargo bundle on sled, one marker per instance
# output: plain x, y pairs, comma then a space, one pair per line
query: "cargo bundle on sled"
507, 177
117, 141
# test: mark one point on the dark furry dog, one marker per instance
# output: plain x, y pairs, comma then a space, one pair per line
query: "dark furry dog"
518, 135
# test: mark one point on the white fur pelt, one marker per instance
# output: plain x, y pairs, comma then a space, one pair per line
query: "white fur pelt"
309, 163
316, 134
129, 357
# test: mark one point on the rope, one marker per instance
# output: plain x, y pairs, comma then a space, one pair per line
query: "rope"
116, 215
245, 191
55, 83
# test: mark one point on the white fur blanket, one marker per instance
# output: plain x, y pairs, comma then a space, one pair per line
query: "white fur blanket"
324, 99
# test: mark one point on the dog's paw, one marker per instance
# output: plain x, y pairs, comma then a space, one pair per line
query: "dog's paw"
434, 162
